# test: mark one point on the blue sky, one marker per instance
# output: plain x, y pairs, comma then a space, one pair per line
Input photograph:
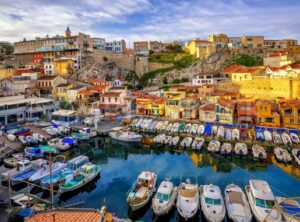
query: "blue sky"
164, 20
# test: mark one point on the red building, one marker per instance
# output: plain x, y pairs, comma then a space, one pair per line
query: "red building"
246, 111
38, 57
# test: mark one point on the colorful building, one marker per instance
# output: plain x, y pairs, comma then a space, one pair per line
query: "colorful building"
225, 111
190, 106
219, 40
200, 48
290, 113
7, 72
207, 113
246, 74
209, 79
61, 92
147, 104
47, 84
173, 98
267, 114
252, 42
72, 93
63, 67
246, 112
277, 59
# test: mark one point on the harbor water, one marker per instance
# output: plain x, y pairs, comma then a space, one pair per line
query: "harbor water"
121, 163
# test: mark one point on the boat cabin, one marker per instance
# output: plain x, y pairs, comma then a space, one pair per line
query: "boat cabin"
78, 162
261, 194
146, 179
212, 195
23, 165
164, 191
88, 168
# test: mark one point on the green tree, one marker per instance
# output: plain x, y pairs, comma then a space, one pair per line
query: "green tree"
184, 79
65, 105
176, 81
165, 80
243, 59
151, 52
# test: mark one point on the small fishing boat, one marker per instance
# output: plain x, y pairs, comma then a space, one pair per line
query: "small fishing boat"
124, 135
142, 190
5, 152
166, 140
214, 146
174, 141
238, 208
228, 134
181, 127
235, 134
221, 132
200, 129
164, 125
194, 129
50, 131
33, 152
88, 121
197, 143
80, 136
175, 127
132, 124
164, 198
296, 155
226, 149
137, 125
87, 131
267, 135
290, 208
241, 149
295, 138
31, 140
277, 138
212, 203
286, 139
262, 200
214, 130
186, 142
22, 139
12, 161
282, 155
152, 126
143, 123
21, 166
58, 144
70, 141
169, 127
21, 200
159, 138
147, 124
158, 125
187, 128
22, 132
11, 137
188, 199
87, 173
48, 149
259, 152
45, 171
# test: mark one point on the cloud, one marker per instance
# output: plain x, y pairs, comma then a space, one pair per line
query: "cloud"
164, 20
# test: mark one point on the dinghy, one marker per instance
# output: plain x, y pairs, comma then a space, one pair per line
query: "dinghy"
241, 149
174, 141
187, 200
200, 129
228, 134
164, 198
39, 137
132, 124
152, 125
295, 138
137, 125
296, 155
87, 131
282, 155
286, 139
214, 130
220, 132
12, 161
142, 190
259, 152
194, 128
175, 127
197, 143
159, 138
58, 144
164, 125
31, 140
212, 203
181, 127
23, 140
11, 137
5, 151
214, 146
187, 128
235, 134
226, 149
166, 140
186, 142
237, 205
50, 131
290, 208
169, 127
267, 135
48, 149
33, 152
158, 126
277, 138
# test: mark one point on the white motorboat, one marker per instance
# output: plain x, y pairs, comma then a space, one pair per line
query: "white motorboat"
143, 123
228, 134
88, 121
221, 132
174, 141
169, 127
262, 200
21, 200
159, 138
267, 135
187, 128
11, 137
142, 190
164, 198
21, 166
214, 146
212, 203
186, 142
197, 143
175, 127
137, 125
39, 137
296, 155
12, 161
238, 208
282, 155
164, 125
241, 149
235, 134
200, 129
194, 129
152, 125
23, 140
277, 138
295, 138
166, 140
58, 144
147, 124
226, 149
286, 139
188, 199
214, 130
158, 125
259, 152
126, 136
50, 131
87, 131
132, 124
290, 208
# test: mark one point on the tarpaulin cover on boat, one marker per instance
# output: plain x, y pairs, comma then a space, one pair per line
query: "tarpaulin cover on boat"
207, 130
68, 140
259, 133
294, 131
270, 129
279, 130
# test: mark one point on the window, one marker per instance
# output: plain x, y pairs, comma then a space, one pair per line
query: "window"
212, 201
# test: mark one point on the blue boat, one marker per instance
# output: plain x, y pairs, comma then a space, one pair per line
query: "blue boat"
70, 140
33, 152
11, 127
21, 131
57, 178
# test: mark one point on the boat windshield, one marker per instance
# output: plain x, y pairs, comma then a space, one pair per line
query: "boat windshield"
162, 197
264, 203
212, 201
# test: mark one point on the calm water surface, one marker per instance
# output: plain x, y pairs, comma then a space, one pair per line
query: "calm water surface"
121, 164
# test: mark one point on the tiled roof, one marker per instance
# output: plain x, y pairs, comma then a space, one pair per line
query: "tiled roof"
63, 85
66, 215
232, 68
230, 104
295, 66
159, 101
111, 94
46, 77
111, 106
246, 70
290, 104
97, 81
208, 107
99, 87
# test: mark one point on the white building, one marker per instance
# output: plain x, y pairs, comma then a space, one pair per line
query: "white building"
209, 79
116, 46
99, 43
48, 68
234, 42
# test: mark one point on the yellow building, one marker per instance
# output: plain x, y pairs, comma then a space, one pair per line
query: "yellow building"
277, 59
158, 107
267, 114
200, 48
219, 40
7, 72
290, 113
252, 42
62, 92
173, 106
294, 49
225, 111
63, 67
246, 74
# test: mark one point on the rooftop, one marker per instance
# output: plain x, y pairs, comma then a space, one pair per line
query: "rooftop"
46, 77
11, 100
64, 112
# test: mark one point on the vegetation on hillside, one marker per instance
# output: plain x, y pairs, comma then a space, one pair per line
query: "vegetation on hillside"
243, 59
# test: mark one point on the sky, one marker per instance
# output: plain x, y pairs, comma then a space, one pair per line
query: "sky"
140, 20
